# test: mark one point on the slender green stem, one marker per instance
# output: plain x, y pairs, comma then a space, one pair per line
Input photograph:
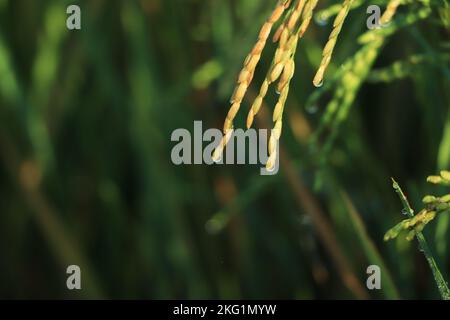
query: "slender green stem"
441, 283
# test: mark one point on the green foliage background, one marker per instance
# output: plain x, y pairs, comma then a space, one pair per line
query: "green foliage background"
86, 177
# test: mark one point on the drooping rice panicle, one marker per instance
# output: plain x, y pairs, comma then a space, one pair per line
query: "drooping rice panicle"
246, 74
283, 85
291, 16
390, 11
356, 73
281, 57
283, 67
283, 88
252, 60
277, 117
329, 47
304, 8
218, 151
307, 16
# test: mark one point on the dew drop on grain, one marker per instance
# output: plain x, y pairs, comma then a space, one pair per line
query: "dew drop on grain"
318, 85
321, 20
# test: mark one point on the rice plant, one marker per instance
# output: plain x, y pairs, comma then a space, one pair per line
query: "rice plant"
86, 119
295, 19
294, 24
415, 224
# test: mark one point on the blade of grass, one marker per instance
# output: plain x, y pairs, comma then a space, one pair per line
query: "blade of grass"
441, 283
370, 250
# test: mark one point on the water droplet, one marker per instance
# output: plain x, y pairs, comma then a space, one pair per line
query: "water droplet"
318, 85
404, 212
312, 109
277, 92
321, 20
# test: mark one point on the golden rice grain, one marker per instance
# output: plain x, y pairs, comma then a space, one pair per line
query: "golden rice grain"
252, 60
329, 47
390, 11
307, 16
292, 28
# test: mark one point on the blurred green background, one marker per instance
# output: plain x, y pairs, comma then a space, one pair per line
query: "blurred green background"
86, 176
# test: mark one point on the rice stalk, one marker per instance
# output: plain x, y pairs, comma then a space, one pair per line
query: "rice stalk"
332, 10
416, 223
405, 68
